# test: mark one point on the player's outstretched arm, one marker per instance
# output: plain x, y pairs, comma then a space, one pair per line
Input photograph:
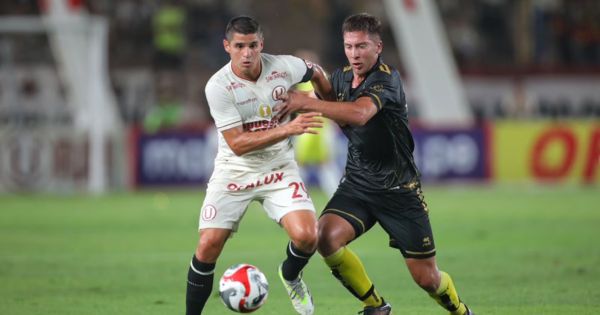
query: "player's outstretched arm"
242, 142
355, 113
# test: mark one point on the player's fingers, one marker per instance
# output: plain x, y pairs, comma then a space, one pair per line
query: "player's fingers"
279, 107
283, 97
311, 114
311, 131
313, 125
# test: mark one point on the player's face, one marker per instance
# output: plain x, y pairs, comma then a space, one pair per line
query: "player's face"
244, 50
362, 51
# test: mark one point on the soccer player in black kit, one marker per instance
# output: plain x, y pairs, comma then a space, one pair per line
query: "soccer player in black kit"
381, 182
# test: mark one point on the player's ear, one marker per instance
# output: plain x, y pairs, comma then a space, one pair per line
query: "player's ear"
261, 44
226, 45
379, 47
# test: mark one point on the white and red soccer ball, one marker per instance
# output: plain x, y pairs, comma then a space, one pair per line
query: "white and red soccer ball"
243, 288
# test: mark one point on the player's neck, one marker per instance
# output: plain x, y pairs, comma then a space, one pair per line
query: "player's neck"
357, 80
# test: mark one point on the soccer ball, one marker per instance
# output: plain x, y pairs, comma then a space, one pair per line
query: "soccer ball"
243, 288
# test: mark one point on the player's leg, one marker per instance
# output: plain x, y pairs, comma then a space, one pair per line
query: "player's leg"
301, 227
220, 216
287, 203
337, 228
437, 283
405, 217
202, 268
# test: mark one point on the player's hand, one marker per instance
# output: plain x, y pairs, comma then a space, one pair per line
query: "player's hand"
305, 123
291, 102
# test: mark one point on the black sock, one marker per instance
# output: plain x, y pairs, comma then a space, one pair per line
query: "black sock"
199, 286
296, 260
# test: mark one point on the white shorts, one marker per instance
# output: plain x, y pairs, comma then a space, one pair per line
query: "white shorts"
279, 190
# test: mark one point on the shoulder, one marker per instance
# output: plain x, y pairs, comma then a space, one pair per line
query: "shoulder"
384, 72
280, 59
219, 83
221, 76
384, 76
289, 67
340, 73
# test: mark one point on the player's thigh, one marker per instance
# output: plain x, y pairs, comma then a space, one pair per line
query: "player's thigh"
352, 210
286, 194
406, 220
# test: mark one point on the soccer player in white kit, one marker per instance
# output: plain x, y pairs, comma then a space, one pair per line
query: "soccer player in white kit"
255, 160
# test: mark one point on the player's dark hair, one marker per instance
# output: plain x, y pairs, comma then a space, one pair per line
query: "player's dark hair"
362, 22
243, 25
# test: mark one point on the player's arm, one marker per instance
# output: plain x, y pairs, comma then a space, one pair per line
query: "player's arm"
355, 113
229, 123
321, 83
242, 142
380, 89
314, 74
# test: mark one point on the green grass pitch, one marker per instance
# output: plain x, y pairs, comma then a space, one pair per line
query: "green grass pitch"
518, 250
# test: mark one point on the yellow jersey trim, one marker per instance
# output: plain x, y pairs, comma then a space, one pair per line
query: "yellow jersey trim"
379, 105
385, 68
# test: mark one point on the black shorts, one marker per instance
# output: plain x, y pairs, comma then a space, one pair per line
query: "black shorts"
402, 214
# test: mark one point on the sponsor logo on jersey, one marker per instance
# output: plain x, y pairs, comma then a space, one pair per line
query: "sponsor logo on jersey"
267, 180
377, 88
235, 85
276, 75
260, 125
250, 100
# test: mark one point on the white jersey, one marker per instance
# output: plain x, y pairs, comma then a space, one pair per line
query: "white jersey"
234, 101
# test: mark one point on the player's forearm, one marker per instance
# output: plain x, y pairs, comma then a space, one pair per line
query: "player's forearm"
343, 113
251, 141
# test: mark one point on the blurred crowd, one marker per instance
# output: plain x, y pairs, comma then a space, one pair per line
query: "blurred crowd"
161, 52
550, 35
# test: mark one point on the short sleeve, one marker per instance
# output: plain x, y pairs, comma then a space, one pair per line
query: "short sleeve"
301, 71
384, 88
221, 106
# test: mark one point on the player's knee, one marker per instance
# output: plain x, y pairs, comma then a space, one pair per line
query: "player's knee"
328, 243
208, 249
305, 239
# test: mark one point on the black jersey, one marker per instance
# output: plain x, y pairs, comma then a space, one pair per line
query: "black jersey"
380, 152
